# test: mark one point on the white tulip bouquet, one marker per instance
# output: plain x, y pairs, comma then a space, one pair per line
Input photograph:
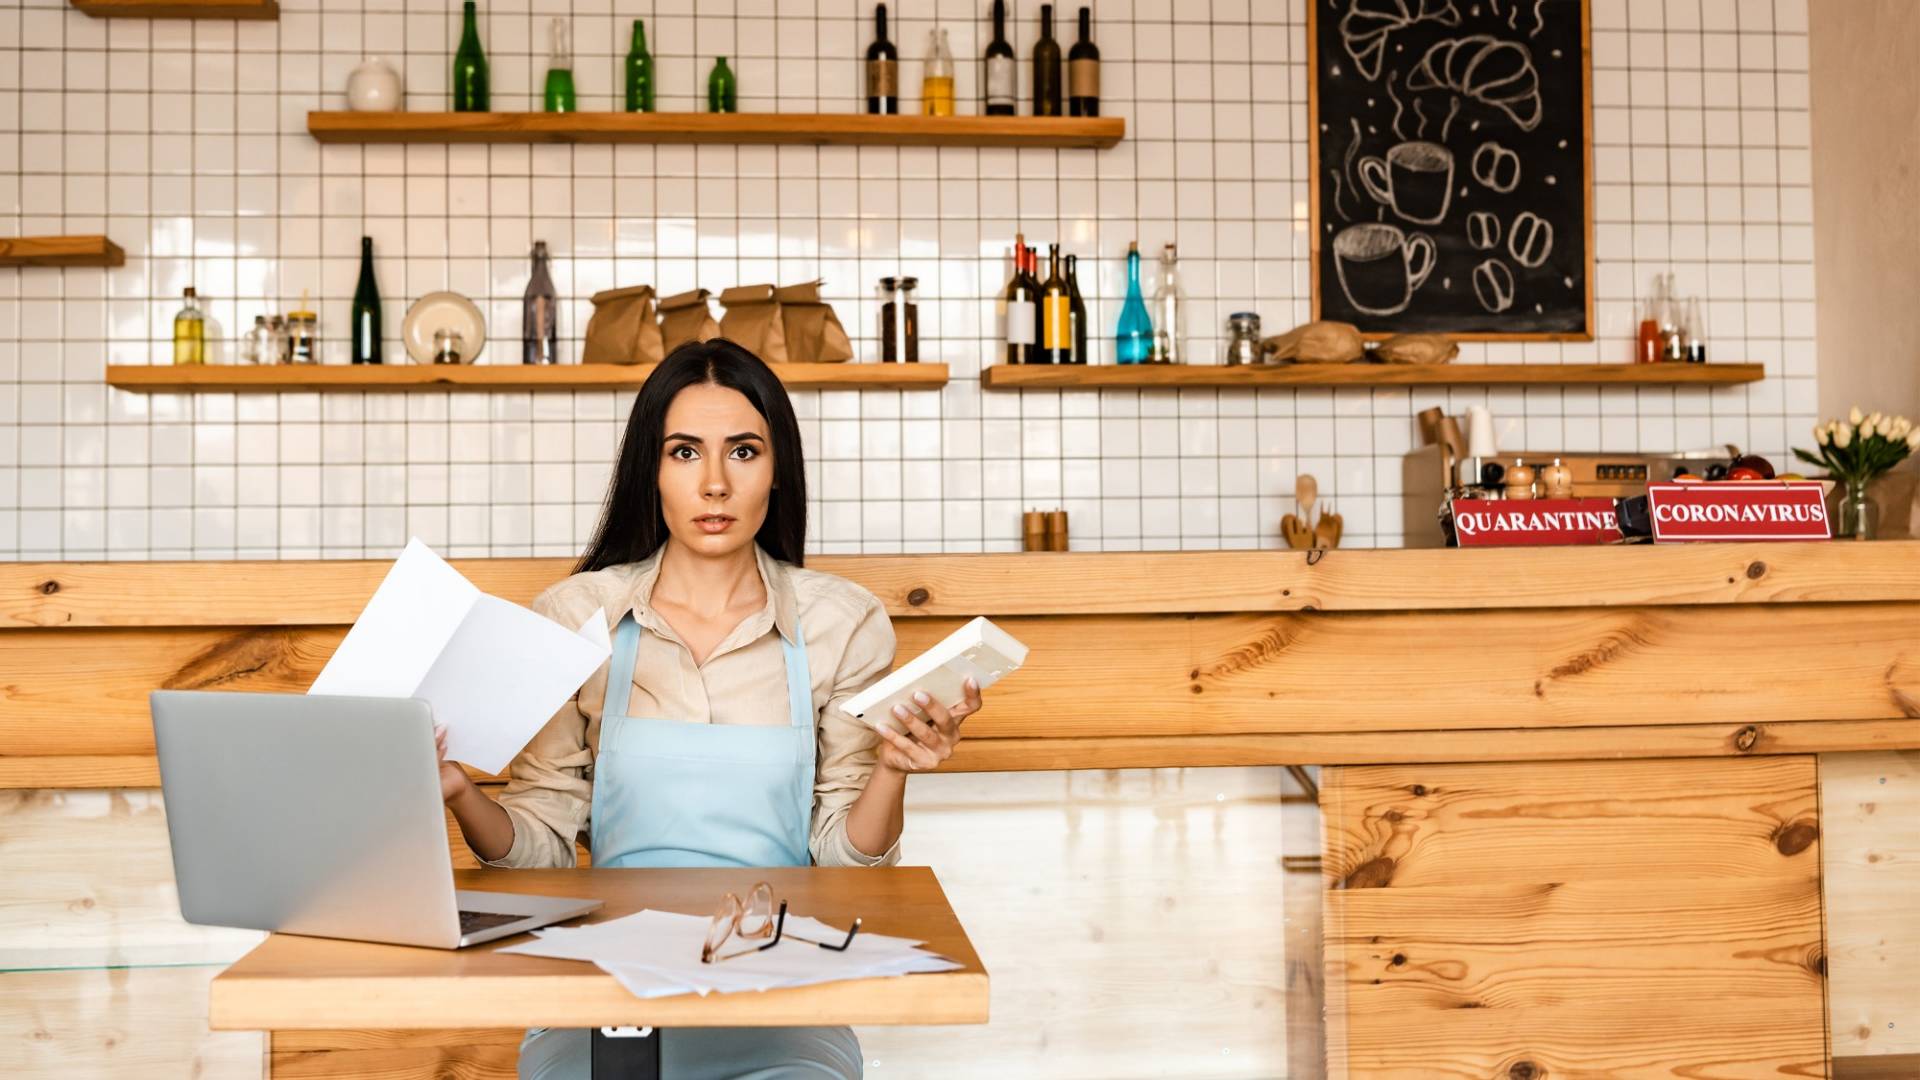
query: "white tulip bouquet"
1856, 450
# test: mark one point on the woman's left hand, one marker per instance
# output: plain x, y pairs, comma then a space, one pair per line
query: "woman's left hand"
931, 731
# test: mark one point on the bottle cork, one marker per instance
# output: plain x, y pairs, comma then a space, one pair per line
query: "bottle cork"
1057, 530
1033, 531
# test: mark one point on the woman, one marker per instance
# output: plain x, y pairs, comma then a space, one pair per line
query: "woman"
697, 744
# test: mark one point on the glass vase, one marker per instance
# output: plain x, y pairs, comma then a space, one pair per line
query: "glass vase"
1858, 516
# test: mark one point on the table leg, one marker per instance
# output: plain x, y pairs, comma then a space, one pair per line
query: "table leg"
625, 1053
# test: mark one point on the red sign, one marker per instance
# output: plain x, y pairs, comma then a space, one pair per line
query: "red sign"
1738, 510
1516, 522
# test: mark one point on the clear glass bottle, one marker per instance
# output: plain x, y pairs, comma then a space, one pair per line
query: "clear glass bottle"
1169, 312
281, 347
1673, 342
1133, 339
560, 97
256, 345
1696, 332
190, 331
936, 86
539, 327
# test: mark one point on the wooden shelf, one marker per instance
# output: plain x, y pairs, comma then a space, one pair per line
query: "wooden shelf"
816, 129
179, 9
239, 378
1163, 376
61, 251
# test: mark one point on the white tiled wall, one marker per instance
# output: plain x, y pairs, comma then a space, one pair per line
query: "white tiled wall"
186, 142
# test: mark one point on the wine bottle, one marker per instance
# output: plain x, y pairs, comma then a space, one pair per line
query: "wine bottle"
722, 90
1078, 312
883, 68
470, 92
936, 86
999, 98
639, 71
1056, 314
539, 327
1039, 310
1020, 308
1169, 312
189, 330
1083, 71
559, 96
1133, 339
366, 309
1046, 67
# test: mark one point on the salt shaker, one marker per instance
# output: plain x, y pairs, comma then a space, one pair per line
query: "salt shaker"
1243, 338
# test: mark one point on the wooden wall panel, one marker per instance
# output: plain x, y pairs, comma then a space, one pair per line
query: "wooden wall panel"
1580, 919
1870, 807
119, 1024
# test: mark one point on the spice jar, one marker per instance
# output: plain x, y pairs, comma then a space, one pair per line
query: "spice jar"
1243, 338
448, 345
302, 344
899, 321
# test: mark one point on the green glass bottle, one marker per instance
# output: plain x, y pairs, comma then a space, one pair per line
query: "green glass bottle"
366, 309
470, 68
639, 71
560, 97
722, 91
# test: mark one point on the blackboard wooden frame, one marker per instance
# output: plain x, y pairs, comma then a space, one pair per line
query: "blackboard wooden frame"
1586, 138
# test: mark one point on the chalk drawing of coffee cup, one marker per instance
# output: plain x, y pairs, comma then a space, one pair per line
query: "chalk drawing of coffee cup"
1380, 267
1415, 179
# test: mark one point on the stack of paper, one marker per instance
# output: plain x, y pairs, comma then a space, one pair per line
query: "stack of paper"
657, 954
493, 671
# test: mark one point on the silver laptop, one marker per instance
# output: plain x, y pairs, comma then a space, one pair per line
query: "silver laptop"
321, 815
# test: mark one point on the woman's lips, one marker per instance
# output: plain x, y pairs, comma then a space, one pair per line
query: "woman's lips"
715, 523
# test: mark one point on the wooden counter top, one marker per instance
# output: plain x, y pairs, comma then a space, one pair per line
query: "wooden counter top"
332, 591
1139, 659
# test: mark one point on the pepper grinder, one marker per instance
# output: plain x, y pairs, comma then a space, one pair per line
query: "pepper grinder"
1556, 481
1520, 481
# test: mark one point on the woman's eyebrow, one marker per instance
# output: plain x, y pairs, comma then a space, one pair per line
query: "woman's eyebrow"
744, 436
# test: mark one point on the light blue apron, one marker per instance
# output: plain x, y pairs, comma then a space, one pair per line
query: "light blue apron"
669, 793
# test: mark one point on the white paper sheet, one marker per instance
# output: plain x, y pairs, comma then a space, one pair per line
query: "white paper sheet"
657, 954
493, 671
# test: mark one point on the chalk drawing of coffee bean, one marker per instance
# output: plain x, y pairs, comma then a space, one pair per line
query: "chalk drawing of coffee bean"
1530, 239
1483, 230
1496, 167
1493, 285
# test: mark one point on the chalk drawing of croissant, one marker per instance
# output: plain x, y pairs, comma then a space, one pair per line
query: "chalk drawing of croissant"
1366, 25
1486, 69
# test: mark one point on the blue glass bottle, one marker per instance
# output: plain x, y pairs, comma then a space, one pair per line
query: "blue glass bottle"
1134, 337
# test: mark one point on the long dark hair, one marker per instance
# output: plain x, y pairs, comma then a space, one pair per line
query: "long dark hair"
632, 525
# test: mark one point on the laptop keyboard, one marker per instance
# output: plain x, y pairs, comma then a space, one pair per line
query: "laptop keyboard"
475, 921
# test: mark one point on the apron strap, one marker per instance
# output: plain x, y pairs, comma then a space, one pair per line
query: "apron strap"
626, 648
799, 679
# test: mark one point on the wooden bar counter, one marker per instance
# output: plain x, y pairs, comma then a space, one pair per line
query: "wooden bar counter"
1621, 812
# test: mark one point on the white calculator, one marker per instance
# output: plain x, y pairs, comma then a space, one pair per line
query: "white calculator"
978, 649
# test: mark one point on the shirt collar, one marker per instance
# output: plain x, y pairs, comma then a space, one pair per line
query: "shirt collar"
780, 612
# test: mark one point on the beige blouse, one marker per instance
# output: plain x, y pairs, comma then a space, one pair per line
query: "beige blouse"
850, 645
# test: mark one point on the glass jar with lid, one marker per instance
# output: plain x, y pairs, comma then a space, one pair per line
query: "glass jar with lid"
1243, 338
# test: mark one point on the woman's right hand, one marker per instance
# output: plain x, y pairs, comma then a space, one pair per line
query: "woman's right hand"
453, 778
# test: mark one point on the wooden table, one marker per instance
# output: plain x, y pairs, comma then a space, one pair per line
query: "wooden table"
292, 983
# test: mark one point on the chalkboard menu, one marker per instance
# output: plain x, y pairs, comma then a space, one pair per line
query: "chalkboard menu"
1451, 161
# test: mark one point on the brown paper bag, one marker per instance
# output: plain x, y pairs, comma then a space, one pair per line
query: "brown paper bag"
1316, 343
814, 333
752, 321
1417, 349
686, 317
623, 329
